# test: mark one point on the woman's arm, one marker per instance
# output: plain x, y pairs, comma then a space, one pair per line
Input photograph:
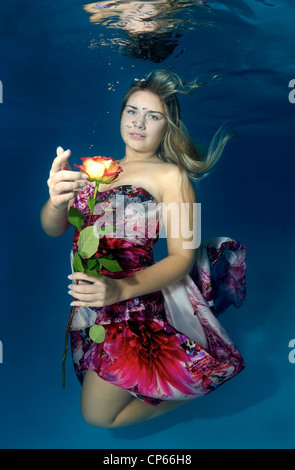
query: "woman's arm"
62, 184
179, 221
54, 221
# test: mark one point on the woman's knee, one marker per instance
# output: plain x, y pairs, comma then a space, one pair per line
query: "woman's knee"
94, 417
101, 401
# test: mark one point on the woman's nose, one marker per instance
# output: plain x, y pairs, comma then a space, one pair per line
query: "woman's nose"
139, 123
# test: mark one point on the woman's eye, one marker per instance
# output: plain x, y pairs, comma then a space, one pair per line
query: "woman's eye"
130, 111
152, 116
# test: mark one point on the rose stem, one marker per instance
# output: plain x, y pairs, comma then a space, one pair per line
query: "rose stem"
66, 346
94, 197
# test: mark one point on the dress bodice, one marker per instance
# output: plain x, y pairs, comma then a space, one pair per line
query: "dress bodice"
133, 214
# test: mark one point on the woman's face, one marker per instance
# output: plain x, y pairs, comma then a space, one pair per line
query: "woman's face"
143, 122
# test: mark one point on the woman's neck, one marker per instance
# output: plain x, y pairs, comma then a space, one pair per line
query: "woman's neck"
132, 156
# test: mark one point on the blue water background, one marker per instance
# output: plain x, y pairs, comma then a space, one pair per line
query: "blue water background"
59, 91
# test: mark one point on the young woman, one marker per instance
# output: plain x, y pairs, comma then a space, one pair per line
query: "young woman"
164, 345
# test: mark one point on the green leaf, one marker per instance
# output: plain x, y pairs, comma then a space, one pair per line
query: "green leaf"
91, 263
75, 217
99, 265
77, 263
92, 272
88, 242
92, 266
91, 203
97, 333
110, 264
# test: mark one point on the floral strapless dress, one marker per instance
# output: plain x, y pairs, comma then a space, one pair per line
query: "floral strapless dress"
151, 347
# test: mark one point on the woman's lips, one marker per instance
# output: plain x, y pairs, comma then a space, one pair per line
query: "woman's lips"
136, 136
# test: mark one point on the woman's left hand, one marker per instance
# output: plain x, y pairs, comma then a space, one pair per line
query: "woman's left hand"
91, 291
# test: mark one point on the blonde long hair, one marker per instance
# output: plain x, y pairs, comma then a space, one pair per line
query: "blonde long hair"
177, 146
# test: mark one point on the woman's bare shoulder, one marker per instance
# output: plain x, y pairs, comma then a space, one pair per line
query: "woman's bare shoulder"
175, 184
162, 168
168, 173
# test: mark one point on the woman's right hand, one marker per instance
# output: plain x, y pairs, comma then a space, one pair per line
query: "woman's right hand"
63, 183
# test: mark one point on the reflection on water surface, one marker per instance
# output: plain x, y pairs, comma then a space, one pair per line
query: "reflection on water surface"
149, 30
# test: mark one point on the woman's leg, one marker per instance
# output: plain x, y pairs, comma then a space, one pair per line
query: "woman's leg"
106, 405
138, 410
101, 401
